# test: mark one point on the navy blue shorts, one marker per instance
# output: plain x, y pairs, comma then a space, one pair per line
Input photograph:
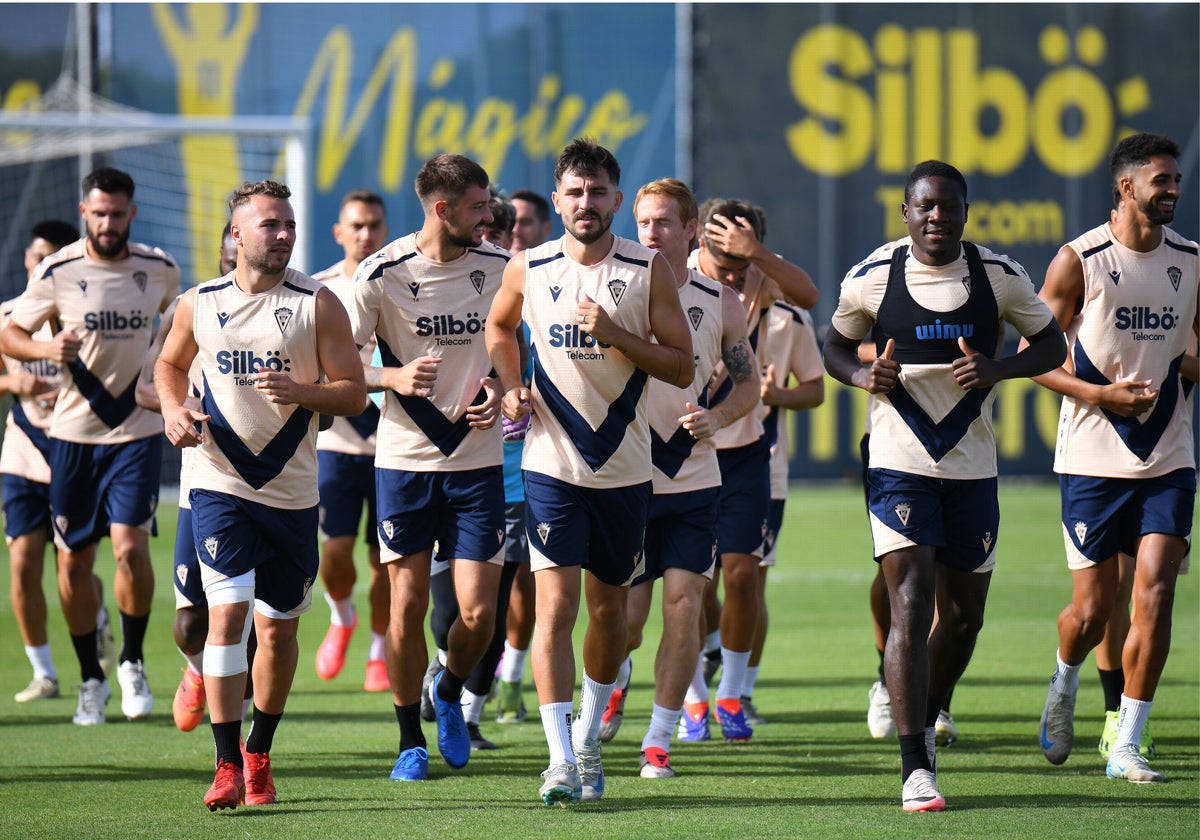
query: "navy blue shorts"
774, 525
94, 486
600, 530
1103, 516
745, 498
347, 484
189, 588
960, 518
26, 506
516, 541
234, 536
681, 533
462, 511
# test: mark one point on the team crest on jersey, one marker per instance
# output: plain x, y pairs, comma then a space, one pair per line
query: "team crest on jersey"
414, 287
477, 278
1115, 276
222, 319
211, 544
966, 281
543, 531
1081, 531
1174, 274
902, 511
283, 317
695, 315
61, 523
181, 574
83, 288
388, 528
987, 541
140, 278
555, 291
616, 288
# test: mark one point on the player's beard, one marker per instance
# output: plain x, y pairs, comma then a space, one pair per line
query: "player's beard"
460, 241
109, 251
1153, 212
265, 261
593, 235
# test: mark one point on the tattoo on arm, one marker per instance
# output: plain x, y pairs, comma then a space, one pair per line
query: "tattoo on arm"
737, 361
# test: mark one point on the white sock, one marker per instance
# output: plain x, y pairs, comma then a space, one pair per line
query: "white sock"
39, 658
592, 700
697, 691
556, 722
512, 666
342, 614
750, 680
662, 727
1066, 677
195, 661
1130, 722
733, 673
472, 706
712, 641
442, 656
623, 673
378, 646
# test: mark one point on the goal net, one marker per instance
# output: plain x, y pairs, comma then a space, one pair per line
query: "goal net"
184, 170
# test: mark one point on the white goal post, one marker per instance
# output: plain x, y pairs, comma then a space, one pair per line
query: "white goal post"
184, 169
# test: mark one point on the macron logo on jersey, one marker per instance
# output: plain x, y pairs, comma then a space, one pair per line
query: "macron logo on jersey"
222, 319
555, 291
414, 287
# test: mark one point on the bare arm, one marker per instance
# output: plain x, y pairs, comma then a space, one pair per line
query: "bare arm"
736, 238
144, 394
840, 355
801, 396
739, 360
170, 377
669, 357
500, 333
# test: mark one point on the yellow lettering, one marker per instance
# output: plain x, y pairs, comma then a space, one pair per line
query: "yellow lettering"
612, 121
890, 199
24, 95
439, 125
970, 92
835, 138
1017, 399
1075, 89
1015, 223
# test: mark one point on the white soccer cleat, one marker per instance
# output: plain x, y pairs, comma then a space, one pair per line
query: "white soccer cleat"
1056, 733
946, 733
921, 793
591, 772
39, 688
1127, 763
136, 700
93, 694
879, 712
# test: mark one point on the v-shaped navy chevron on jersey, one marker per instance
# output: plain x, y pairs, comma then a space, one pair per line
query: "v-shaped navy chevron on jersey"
596, 446
442, 432
367, 423
37, 436
941, 437
1140, 438
112, 410
669, 455
256, 470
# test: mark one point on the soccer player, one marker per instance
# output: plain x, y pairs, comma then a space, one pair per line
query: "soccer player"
531, 228
932, 482
731, 251
274, 349
425, 297
101, 293
1125, 453
681, 536
26, 484
346, 466
603, 316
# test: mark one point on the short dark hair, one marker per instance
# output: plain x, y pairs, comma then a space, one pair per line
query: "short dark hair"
504, 215
541, 205
364, 196
585, 156
58, 233
933, 169
271, 189
449, 176
1137, 149
730, 208
108, 180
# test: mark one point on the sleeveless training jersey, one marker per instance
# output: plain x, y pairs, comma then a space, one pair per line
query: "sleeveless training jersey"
25, 431
758, 293
928, 425
111, 306
682, 463
349, 435
255, 449
1137, 318
589, 425
790, 345
417, 307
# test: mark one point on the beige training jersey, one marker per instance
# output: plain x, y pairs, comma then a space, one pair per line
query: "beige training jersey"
111, 306
589, 425
415, 307
25, 430
349, 435
255, 449
790, 345
1138, 314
